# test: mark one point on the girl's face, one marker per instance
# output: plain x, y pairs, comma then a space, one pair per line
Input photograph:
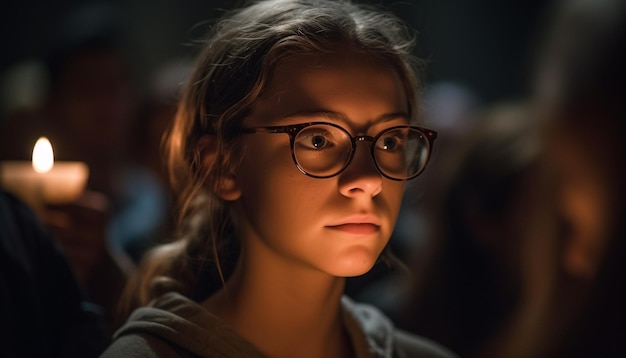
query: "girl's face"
337, 225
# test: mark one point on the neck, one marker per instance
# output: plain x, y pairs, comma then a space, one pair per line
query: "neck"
285, 310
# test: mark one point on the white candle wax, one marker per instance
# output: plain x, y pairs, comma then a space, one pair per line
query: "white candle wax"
63, 183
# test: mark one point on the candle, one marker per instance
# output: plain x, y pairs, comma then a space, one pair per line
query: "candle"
44, 181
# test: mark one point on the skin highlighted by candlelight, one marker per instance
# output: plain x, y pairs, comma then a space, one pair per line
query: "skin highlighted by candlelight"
290, 151
44, 181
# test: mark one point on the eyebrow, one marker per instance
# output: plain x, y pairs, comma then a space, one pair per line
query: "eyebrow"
337, 116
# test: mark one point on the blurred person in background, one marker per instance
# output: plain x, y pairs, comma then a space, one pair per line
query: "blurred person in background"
574, 258
467, 273
43, 309
91, 111
88, 112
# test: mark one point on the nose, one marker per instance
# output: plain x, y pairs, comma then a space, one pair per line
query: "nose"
361, 177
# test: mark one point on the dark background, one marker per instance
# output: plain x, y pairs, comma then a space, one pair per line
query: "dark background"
481, 44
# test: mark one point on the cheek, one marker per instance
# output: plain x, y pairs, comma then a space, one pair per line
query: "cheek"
264, 160
392, 195
270, 183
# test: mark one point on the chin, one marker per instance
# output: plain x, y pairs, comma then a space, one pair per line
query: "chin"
355, 264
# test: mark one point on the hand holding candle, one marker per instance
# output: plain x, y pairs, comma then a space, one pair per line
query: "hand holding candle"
43, 181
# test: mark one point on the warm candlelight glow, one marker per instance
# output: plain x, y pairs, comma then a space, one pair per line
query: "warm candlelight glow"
42, 180
43, 157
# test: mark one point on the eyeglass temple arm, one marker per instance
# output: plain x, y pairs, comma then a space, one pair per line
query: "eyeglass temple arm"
270, 129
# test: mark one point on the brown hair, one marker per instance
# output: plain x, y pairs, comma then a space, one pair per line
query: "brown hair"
232, 70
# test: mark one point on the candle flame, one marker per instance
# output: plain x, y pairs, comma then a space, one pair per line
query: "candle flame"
43, 157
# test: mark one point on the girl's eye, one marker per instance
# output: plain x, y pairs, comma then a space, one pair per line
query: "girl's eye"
315, 140
318, 141
391, 143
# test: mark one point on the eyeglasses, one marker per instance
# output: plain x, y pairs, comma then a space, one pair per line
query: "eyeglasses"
323, 150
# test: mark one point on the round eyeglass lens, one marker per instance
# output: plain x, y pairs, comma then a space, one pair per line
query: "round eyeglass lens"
401, 153
322, 150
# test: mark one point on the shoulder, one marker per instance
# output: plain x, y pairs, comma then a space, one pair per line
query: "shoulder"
140, 345
175, 326
410, 345
160, 329
372, 331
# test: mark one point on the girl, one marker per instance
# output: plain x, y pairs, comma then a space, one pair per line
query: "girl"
291, 146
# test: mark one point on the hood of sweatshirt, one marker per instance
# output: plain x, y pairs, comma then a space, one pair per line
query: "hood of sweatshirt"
186, 326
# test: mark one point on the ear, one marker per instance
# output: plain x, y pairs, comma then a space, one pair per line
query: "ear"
584, 246
582, 255
228, 189
226, 186
578, 262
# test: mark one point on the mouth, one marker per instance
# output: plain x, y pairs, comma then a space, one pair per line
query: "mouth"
356, 228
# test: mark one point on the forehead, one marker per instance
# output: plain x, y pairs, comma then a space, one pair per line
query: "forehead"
346, 81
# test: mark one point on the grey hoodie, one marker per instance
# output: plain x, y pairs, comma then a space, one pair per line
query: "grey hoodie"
175, 326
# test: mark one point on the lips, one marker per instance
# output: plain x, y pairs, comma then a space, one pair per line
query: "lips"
357, 225
356, 229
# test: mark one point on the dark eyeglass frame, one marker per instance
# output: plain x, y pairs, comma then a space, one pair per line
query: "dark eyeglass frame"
293, 130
